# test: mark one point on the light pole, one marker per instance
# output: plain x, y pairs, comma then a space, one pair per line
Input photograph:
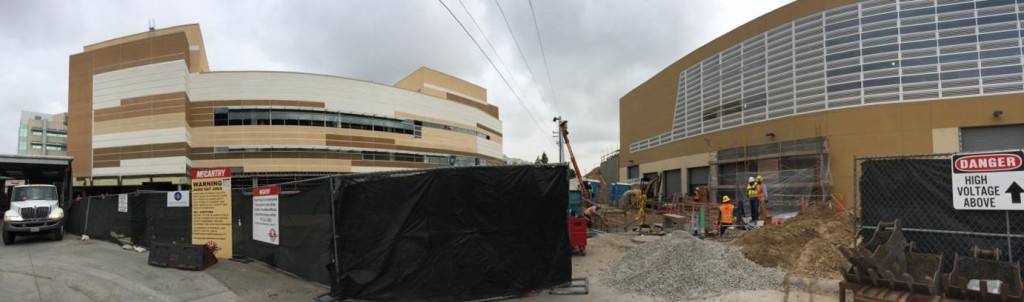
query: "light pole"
561, 141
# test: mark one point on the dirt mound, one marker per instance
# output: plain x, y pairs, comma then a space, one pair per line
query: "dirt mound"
806, 245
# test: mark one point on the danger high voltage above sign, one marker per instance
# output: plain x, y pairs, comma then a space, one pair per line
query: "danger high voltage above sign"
988, 181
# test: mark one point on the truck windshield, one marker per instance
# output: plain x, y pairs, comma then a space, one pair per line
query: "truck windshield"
34, 193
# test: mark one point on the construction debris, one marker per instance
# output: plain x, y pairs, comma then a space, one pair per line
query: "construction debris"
680, 267
806, 245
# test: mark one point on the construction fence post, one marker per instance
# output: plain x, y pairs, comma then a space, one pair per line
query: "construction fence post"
702, 228
1009, 244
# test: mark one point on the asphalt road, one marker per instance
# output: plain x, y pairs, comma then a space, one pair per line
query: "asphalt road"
37, 269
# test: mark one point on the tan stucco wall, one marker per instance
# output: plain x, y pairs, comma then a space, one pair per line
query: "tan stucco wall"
888, 129
423, 76
164, 45
946, 140
877, 130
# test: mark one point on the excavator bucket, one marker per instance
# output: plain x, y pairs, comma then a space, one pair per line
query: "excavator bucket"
882, 234
864, 266
892, 264
978, 279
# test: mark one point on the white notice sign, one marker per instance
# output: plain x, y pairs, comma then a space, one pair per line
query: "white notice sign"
265, 225
177, 199
988, 181
122, 203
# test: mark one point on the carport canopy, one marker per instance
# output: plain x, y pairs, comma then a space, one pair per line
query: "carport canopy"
35, 169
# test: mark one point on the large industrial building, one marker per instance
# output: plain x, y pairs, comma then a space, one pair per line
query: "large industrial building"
145, 109
43, 134
797, 94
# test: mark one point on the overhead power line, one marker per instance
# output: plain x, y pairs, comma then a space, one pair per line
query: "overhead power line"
522, 54
501, 61
494, 66
544, 56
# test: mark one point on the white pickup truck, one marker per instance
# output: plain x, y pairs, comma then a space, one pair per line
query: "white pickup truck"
34, 210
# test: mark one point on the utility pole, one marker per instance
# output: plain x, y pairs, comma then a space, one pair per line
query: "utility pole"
561, 142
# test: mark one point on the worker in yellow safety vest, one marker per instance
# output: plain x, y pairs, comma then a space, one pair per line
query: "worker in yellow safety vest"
592, 213
755, 202
724, 215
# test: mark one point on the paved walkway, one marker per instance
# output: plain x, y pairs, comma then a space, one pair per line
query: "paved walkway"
37, 269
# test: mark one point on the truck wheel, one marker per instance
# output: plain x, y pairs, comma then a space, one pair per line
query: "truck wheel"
8, 237
59, 234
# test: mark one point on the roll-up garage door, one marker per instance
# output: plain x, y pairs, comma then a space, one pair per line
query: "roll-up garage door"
697, 177
673, 183
992, 138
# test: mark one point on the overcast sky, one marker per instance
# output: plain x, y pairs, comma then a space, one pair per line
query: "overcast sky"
596, 50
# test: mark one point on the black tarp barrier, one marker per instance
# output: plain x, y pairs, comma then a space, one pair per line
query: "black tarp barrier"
919, 192
104, 219
163, 224
304, 235
75, 215
148, 219
452, 234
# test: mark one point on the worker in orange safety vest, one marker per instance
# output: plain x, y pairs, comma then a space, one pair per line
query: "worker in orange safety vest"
592, 213
725, 217
762, 196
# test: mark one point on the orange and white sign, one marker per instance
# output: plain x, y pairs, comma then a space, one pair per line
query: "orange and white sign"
265, 226
211, 210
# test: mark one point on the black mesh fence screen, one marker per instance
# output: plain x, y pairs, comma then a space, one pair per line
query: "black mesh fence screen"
917, 190
75, 214
103, 218
459, 233
452, 234
163, 224
304, 242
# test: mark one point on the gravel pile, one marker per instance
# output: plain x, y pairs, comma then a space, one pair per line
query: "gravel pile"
681, 267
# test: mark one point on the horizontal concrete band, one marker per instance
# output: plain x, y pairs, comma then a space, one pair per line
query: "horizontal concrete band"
486, 108
111, 157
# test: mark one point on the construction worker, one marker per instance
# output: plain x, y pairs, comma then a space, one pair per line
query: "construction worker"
752, 193
590, 188
724, 215
762, 196
592, 213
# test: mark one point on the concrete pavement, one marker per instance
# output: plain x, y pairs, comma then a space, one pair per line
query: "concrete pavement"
37, 269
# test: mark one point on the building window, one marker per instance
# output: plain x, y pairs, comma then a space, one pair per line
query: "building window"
633, 172
851, 55
317, 118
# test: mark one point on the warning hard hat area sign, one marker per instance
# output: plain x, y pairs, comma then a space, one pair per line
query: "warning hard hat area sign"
988, 181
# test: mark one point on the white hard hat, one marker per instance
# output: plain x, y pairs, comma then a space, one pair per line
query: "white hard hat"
751, 179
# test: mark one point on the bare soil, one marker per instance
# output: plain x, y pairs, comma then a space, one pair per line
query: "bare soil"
805, 245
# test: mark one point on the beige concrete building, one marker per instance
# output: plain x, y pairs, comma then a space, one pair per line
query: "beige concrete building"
146, 109
798, 93
43, 134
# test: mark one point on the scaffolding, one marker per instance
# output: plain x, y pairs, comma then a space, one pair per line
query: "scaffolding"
795, 172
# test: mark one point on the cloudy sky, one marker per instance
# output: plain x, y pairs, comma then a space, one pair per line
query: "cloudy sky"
596, 50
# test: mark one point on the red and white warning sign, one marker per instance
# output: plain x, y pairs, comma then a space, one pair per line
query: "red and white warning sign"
988, 181
265, 212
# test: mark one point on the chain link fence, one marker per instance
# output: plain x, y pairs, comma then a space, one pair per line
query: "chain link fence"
477, 217
917, 190
304, 219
